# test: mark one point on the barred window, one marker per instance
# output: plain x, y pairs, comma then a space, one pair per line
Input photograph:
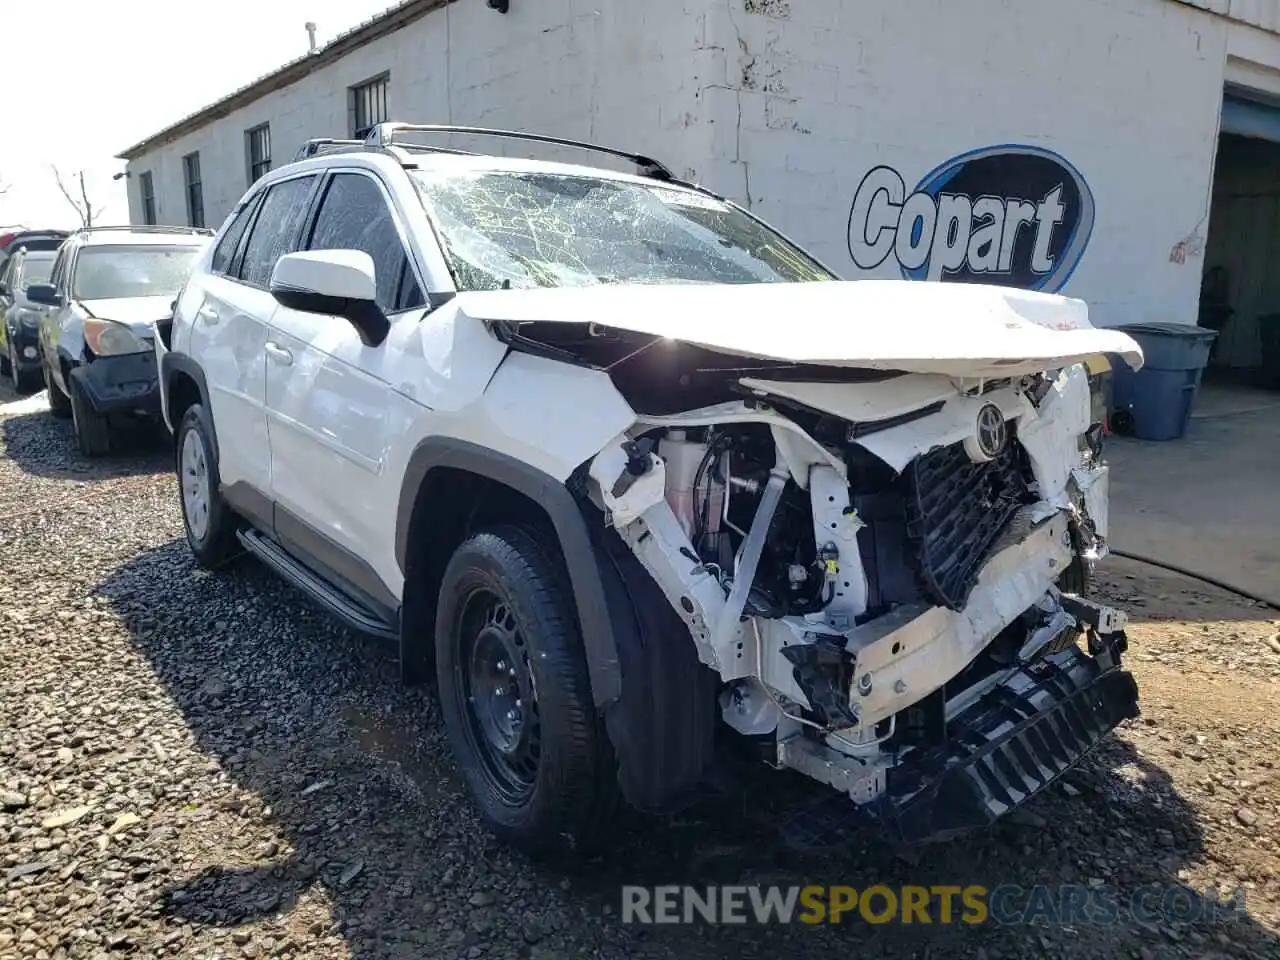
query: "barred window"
368, 104
258, 149
147, 187
194, 189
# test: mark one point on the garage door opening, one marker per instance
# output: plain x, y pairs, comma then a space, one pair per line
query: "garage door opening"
1240, 289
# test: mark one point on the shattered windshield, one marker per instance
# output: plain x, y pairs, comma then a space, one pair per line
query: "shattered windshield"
509, 229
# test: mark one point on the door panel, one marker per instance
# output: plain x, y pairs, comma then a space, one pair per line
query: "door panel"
333, 421
228, 337
229, 333
334, 418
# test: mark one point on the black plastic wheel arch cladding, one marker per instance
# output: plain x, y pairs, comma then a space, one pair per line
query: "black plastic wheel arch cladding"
571, 530
171, 365
658, 701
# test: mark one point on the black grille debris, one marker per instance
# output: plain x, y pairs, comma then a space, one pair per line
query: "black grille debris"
956, 509
1003, 750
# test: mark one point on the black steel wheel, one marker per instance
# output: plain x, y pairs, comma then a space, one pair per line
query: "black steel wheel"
492, 671
516, 697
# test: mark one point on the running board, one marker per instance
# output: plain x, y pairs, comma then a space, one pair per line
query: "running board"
353, 614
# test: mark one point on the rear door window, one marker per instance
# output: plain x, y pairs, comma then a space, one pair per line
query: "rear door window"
275, 229
225, 253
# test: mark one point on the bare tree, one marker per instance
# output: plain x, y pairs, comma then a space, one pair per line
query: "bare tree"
81, 203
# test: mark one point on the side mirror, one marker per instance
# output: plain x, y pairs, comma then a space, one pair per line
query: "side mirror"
339, 283
45, 294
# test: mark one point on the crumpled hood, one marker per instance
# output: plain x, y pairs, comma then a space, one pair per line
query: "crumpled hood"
139, 313
956, 329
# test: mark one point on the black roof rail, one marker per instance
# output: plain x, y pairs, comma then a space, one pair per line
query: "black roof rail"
147, 228
384, 135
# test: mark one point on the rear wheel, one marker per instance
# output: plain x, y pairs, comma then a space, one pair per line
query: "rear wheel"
516, 697
210, 523
6, 364
59, 404
93, 432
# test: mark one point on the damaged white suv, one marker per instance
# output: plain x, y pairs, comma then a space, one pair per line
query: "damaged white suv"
614, 462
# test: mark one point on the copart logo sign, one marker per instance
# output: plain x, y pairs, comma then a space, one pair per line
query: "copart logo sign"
1014, 215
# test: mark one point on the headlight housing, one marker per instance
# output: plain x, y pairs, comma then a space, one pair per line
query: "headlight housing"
106, 338
28, 318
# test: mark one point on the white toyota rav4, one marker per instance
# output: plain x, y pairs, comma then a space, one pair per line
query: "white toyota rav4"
616, 462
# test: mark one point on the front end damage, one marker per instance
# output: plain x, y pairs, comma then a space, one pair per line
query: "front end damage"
880, 575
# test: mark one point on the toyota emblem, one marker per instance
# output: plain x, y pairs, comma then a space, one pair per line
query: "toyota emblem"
992, 432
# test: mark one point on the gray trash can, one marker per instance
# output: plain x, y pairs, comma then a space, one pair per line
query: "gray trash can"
1156, 400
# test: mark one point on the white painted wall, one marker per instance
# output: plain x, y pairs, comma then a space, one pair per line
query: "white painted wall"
618, 73
1128, 91
785, 105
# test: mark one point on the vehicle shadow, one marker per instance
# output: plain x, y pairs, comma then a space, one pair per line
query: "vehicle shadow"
42, 446
370, 826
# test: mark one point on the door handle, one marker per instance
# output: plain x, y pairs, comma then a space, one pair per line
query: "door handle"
279, 354
208, 314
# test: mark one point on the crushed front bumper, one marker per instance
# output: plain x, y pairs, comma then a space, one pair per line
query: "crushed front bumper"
123, 385
1006, 747
999, 749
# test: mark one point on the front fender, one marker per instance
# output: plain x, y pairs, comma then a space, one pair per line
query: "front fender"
567, 519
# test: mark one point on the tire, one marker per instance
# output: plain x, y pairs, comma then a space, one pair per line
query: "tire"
93, 432
59, 404
507, 640
25, 381
211, 529
6, 365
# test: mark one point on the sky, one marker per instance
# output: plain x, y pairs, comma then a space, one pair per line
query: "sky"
98, 76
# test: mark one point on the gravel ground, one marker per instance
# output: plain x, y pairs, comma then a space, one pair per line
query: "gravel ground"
204, 766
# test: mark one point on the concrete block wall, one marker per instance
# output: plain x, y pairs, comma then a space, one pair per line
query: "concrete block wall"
627, 75
1128, 91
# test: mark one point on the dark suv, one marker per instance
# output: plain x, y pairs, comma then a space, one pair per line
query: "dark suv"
11, 243
20, 318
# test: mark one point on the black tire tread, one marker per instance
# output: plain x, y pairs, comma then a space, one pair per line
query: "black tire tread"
59, 404
27, 382
93, 431
583, 786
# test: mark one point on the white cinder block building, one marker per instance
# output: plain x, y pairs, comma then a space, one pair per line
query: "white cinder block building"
1117, 150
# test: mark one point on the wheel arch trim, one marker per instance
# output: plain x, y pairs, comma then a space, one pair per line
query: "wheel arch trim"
571, 530
174, 363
